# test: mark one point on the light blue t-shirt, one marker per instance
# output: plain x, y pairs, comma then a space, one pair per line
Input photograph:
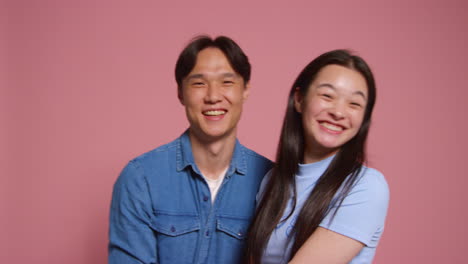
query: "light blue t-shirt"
361, 216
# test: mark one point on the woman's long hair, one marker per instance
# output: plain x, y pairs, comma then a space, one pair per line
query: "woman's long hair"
342, 171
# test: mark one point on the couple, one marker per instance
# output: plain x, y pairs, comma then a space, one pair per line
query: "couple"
203, 198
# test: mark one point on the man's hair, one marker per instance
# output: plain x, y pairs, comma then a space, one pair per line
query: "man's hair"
188, 57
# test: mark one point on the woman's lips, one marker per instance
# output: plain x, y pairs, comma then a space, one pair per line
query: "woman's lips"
330, 127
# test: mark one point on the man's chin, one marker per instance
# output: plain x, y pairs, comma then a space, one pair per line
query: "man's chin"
212, 135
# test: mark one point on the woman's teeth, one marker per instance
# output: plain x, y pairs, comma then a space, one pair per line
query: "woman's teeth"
332, 127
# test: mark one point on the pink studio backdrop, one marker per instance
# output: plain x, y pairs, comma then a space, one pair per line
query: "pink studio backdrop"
88, 85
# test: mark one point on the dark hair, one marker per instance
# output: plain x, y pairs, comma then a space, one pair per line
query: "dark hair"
342, 171
188, 57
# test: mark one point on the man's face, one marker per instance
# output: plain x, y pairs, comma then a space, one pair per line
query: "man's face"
213, 95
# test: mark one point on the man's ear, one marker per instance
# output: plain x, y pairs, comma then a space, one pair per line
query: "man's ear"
180, 95
298, 100
246, 91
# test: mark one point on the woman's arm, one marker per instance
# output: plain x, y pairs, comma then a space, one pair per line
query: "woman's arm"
325, 246
358, 222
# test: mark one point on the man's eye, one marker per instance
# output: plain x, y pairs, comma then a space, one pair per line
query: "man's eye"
198, 83
228, 82
328, 96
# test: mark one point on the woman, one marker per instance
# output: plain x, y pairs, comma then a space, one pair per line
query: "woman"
320, 204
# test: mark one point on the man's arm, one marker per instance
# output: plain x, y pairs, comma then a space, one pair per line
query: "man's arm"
131, 240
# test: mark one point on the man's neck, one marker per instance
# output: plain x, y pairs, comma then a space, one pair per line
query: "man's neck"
213, 157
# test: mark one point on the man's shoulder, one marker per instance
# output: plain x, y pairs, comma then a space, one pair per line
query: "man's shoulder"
255, 155
256, 158
149, 164
160, 152
154, 164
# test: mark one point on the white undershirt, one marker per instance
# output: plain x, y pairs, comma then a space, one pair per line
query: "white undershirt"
215, 184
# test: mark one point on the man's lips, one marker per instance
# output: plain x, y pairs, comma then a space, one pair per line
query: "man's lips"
214, 112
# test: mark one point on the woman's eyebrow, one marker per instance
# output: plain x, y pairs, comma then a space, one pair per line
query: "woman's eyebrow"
361, 94
328, 85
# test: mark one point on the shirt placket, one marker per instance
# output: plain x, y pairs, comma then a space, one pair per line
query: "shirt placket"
209, 218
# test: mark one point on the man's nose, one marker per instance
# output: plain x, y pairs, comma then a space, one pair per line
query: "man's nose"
213, 93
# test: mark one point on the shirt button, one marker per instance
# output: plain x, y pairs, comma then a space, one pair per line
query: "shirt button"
240, 233
205, 198
207, 233
173, 229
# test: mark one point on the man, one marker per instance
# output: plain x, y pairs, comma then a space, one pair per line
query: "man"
192, 200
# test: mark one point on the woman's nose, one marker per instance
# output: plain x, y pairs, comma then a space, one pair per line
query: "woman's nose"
337, 111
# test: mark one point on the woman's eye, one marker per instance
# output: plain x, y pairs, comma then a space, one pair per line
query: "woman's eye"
327, 96
354, 104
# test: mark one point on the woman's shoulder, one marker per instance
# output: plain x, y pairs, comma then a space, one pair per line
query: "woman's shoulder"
373, 176
373, 183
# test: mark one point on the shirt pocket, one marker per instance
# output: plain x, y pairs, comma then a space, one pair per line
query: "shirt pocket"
176, 231
231, 238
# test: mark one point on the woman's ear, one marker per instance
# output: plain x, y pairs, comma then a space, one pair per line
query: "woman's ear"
298, 100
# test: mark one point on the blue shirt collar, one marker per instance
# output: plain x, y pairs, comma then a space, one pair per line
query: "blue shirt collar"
185, 156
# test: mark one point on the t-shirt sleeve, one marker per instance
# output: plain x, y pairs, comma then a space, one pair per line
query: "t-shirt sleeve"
362, 214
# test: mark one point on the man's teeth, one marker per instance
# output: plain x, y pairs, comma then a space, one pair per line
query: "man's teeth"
332, 127
214, 112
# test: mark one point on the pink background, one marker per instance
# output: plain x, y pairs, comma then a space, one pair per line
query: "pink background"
88, 85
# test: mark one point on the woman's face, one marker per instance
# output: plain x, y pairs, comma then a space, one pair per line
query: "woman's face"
332, 110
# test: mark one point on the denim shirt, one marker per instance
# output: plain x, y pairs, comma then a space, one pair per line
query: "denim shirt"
161, 209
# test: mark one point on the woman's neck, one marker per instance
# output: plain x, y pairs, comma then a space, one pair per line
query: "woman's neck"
316, 154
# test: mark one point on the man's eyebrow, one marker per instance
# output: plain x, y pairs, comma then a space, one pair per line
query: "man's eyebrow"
194, 76
229, 74
327, 85
200, 75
